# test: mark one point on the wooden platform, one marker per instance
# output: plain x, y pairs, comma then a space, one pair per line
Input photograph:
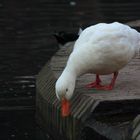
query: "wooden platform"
127, 82
108, 114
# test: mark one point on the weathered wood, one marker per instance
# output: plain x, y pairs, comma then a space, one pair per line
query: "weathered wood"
89, 104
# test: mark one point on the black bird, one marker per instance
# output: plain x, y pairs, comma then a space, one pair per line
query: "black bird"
63, 37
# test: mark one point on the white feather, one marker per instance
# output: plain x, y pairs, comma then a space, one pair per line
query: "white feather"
101, 49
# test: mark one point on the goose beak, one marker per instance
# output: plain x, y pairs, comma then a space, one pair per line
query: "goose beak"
65, 107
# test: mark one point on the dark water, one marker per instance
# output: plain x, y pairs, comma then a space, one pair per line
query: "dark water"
25, 46
17, 92
21, 60
20, 63
20, 125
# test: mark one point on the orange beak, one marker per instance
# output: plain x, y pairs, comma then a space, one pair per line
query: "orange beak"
65, 107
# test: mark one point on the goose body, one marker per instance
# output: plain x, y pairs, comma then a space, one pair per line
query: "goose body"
100, 49
104, 49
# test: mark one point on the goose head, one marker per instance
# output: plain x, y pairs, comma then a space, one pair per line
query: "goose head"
65, 85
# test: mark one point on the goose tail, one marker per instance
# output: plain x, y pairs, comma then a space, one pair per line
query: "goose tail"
137, 47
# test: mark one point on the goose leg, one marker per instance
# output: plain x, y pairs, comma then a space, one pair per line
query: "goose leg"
95, 84
111, 85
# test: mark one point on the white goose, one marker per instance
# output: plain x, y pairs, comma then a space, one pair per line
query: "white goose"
100, 49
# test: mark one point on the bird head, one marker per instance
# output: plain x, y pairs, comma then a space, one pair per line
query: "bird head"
64, 87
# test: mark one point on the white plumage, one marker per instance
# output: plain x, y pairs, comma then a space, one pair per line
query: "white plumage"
100, 49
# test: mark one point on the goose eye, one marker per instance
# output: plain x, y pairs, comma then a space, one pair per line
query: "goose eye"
66, 89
